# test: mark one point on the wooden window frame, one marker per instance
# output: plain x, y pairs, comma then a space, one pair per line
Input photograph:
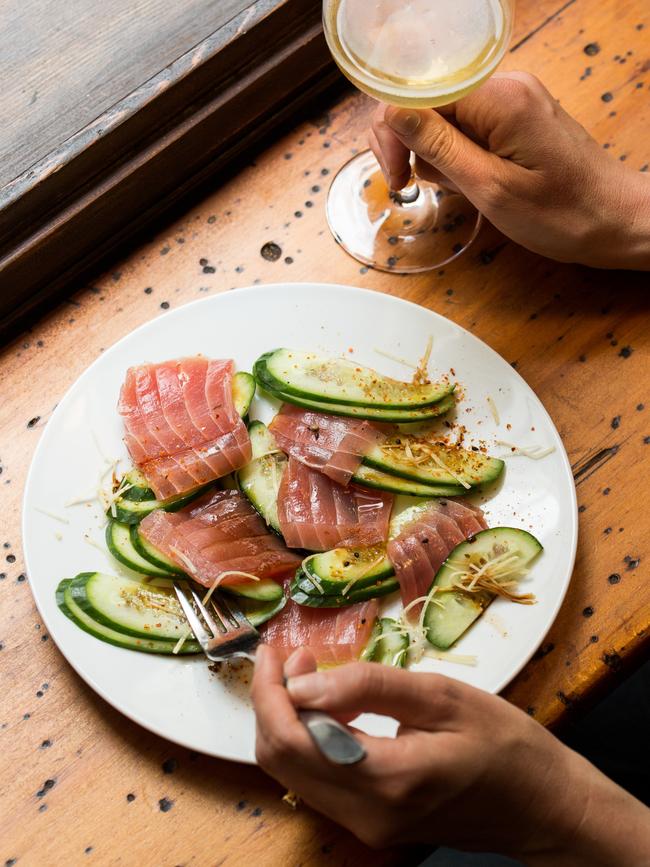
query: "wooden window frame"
62, 219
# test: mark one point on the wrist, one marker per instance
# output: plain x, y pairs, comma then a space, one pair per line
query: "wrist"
620, 237
609, 829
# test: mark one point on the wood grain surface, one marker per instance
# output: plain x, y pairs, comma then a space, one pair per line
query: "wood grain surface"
81, 784
64, 64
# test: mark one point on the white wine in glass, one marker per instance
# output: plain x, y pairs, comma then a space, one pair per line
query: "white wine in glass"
415, 54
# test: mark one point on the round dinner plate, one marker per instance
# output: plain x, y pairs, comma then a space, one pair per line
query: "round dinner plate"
179, 698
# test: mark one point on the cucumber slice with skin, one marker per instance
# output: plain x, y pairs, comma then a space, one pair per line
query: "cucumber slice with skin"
257, 612
388, 644
139, 501
334, 570
370, 413
445, 625
260, 480
473, 468
243, 391
256, 591
341, 381
372, 478
129, 606
304, 591
152, 555
69, 606
120, 544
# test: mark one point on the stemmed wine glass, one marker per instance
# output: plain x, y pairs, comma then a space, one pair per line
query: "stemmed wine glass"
416, 54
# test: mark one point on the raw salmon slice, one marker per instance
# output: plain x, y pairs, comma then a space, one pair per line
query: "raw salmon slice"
333, 445
334, 635
218, 533
318, 514
181, 426
424, 545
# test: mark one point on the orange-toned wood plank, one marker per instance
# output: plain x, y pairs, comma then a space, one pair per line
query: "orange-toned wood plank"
580, 339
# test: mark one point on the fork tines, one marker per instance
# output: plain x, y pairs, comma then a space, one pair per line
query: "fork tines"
220, 627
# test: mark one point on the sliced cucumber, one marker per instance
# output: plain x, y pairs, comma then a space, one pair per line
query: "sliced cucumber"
257, 591
243, 391
147, 551
69, 605
335, 570
260, 479
371, 478
404, 416
129, 606
120, 543
340, 381
305, 591
392, 457
388, 644
257, 612
451, 613
139, 501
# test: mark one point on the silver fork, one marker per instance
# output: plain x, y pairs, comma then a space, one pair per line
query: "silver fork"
224, 633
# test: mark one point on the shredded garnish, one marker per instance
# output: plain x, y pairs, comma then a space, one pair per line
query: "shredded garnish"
497, 576
291, 799
101, 451
417, 452
421, 375
80, 500
443, 466
92, 542
361, 575
52, 515
313, 578
416, 632
181, 641
396, 358
536, 452
446, 656
493, 409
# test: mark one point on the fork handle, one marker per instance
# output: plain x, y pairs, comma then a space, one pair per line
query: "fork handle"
333, 739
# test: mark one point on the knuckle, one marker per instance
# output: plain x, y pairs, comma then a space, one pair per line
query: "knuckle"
439, 143
521, 94
445, 693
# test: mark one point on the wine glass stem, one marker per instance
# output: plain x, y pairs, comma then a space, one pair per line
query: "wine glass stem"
407, 195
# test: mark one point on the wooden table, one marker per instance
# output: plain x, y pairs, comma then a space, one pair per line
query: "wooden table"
80, 782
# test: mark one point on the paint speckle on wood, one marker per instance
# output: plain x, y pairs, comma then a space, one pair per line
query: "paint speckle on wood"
169, 766
47, 786
271, 251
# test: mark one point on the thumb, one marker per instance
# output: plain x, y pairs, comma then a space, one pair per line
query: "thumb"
425, 701
438, 142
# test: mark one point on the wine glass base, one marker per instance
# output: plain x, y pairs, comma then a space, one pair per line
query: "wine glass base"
374, 227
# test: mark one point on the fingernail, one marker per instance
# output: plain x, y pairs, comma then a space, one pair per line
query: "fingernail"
260, 654
306, 687
403, 121
289, 662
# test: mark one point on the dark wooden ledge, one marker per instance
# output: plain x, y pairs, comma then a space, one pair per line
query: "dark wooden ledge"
61, 219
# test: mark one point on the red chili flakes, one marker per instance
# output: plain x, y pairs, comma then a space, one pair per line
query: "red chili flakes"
350, 349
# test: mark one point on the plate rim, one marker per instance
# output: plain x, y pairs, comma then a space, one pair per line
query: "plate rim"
302, 286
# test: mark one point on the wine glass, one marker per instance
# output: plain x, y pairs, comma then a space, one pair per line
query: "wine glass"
415, 54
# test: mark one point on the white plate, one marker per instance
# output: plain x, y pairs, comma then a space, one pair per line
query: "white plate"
179, 698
